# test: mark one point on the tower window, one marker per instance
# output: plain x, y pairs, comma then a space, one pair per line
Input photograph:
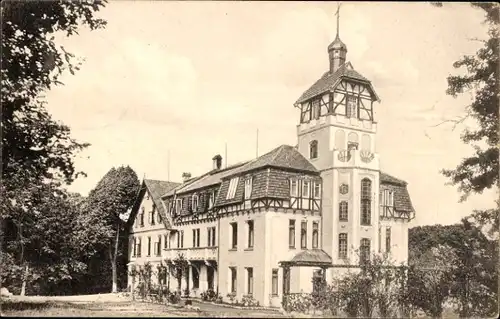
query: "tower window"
313, 149
291, 233
366, 202
303, 235
343, 246
315, 109
343, 211
352, 107
315, 235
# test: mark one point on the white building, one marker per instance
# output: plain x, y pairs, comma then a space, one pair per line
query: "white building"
262, 228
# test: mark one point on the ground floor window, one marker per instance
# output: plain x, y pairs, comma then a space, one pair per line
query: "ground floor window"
232, 271
249, 280
274, 282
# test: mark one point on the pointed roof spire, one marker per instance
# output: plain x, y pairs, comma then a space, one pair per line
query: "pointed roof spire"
338, 19
337, 43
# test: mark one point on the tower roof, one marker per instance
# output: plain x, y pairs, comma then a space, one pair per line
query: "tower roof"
337, 44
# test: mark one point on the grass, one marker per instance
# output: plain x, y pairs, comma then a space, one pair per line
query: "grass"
110, 306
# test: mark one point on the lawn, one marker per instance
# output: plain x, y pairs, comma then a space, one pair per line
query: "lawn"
113, 305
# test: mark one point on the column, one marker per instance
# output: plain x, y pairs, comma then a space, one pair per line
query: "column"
203, 278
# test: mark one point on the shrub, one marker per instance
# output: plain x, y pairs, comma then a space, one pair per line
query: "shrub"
209, 295
249, 301
174, 298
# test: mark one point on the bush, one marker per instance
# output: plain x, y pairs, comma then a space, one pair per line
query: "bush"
211, 295
174, 298
249, 301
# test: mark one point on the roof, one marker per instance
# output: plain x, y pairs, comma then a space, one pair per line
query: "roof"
155, 188
213, 177
402, 200
330, 80
337, 44
284, 156
310, 257
386, 178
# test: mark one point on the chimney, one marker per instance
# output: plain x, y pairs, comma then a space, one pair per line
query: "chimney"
186, 176
217, 162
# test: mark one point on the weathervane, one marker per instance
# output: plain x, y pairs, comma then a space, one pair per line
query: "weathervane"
338, 17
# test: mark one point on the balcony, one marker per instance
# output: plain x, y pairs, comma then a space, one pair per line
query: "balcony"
355, 158
192, 253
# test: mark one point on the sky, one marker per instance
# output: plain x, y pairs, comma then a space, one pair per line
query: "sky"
187, 78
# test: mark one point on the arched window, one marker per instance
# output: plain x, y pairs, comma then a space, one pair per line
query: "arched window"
366, 201
343, 211
313, 149
342, 245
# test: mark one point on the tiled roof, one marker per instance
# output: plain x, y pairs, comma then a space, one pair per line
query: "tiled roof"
402, 200
209, 179
156, 189
311, 257
328, 81
284, 156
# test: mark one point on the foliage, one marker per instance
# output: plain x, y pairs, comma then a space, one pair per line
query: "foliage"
211, 295
249, 301
38, 152
178, 268
480, 171
105, 207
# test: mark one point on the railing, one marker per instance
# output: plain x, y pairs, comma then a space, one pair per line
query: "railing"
192, 253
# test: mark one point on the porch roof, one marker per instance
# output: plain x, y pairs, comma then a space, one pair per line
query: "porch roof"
309, 258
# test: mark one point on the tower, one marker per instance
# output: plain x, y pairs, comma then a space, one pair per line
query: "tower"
336, 132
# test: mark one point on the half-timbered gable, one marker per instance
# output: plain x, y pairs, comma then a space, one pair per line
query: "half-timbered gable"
395, 201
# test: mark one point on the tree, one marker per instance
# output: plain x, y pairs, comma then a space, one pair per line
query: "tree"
106, 207
37, 152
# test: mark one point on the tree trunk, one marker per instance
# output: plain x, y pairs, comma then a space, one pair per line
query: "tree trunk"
25, 279
112, 257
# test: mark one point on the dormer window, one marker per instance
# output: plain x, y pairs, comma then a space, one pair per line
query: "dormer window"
178, 206
194, 203
211, 200
352, 107
305, 189
293, 187
232, 188
313, 149
317, 190
248, 187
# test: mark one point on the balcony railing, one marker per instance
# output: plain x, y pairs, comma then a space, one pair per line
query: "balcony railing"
192, 253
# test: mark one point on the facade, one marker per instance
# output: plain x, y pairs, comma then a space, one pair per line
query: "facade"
265, 227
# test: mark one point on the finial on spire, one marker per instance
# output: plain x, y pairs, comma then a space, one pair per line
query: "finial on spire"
338, 18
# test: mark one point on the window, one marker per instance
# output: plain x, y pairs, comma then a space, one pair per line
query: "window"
158, 246
274, 282
165, 241
352, 146
303, 235
249, 281
194, 203
313, 149
388, 239
291, 233
293, 187
315, 109
180, 239
234, 235
366, 203
149, 246
364, 251
352, 107
343, 211
315, 239
178, 205
139, 245
159, 219
343, 246
305, 189
152, 217
211, 237
196, 237
391, 199
248, 187
317, 190
196, 277
250, 233
141, 218
232, 188
379, 239
211, 200
232, 271
134, 248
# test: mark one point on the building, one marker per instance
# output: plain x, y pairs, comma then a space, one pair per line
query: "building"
265, 227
